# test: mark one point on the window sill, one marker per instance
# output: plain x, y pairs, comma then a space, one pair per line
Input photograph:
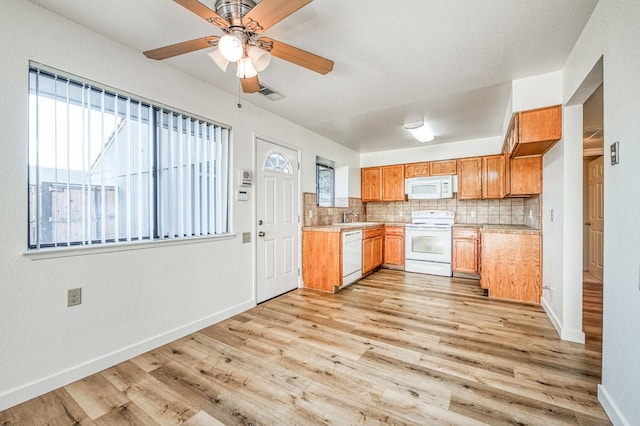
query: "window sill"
85, 250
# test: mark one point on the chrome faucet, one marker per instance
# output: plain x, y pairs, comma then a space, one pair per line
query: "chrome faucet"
346, 215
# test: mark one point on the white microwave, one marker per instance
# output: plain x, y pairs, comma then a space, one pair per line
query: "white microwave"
430, 187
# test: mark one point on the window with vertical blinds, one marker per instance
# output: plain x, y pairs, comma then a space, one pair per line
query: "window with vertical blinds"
105, 167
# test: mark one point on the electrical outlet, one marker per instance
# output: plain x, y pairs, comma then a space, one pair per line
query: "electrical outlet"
74, 296
246, 237
473, 213
551, 215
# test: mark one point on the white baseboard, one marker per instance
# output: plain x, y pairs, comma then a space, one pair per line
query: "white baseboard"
570, 335
611, 408
63, 378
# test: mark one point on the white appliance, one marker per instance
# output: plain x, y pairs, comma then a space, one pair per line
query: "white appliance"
351, 257
428, 242
430, 187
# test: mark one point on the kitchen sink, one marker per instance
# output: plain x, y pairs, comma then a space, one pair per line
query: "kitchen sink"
348, 224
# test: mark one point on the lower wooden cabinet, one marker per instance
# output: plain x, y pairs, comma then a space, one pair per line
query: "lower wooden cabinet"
322, 260
511, 265
371, 249
466, 250
394, 245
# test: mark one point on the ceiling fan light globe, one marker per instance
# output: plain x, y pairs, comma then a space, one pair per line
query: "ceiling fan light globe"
246, 69
219, 59
260, 58
230, 47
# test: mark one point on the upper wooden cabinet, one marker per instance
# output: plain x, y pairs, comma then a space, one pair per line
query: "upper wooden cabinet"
433, 168
493, 176
384, 183
416, 170
534, 132
371, 184
393, 183
470, 178
526, 175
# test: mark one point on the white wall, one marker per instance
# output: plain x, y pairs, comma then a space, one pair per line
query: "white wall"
132, 300
537, 91
613, 33
434, 152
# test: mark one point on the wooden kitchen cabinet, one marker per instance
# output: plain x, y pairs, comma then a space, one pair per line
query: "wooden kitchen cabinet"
470, 178
417, 170
534, 132
371, 184
394, 245
466, 250
493, 176
511, 265
371, 249
393, 183
444, 167
322, 260
384, 183
526, 175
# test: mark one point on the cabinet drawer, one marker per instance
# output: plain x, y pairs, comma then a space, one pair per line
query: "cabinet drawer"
470, 233
394, 230
371, 232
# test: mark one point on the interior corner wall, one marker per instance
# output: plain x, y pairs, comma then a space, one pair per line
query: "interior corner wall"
169, 289
612, 34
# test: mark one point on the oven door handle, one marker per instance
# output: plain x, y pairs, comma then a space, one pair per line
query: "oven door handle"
437, 229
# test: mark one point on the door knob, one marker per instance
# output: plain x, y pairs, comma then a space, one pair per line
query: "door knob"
588, 223
261, 234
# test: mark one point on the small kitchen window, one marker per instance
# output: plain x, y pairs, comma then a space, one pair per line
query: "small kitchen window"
325, 182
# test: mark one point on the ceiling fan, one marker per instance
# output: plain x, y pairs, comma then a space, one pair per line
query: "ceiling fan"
243, 22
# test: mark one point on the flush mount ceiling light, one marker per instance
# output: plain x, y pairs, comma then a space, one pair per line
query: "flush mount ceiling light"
243, 23
421, 131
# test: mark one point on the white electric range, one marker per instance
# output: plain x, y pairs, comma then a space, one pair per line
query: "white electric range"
428, 242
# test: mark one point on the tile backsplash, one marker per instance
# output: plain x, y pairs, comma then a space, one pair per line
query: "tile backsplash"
315, 215
510, 211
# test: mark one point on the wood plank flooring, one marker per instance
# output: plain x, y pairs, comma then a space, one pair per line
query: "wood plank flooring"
395, 348
592, 309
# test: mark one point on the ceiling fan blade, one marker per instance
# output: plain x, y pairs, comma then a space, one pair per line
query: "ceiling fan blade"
269, 12
204, 12
250, 85
299, 57
180, 48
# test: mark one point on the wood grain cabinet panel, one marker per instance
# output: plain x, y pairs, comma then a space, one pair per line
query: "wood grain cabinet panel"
372, 249
526, 175
511, 265
322, 260
393, 183
416, 170
493, 172
470, 178
394, 245
535, 131
371, 184
466, 250
444, 167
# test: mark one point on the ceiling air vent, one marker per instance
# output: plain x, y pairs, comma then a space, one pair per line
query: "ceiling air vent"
269, 93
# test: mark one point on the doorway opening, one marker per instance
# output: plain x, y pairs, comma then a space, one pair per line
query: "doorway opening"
593, 214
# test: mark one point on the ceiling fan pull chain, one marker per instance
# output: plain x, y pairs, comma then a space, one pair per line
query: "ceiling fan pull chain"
239, 94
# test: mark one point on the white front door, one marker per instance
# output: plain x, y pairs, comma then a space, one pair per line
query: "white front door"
277, 220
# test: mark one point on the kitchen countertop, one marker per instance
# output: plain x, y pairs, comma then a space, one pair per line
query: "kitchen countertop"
363, 225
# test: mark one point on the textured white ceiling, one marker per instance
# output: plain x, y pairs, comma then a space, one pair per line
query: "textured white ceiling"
450, 61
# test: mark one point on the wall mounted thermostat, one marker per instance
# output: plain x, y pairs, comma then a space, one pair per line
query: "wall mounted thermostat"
246, 177
242, 195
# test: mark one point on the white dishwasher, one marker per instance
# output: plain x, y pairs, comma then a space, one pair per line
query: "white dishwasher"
351, 257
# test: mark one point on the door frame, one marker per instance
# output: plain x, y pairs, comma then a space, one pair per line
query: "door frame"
254, 216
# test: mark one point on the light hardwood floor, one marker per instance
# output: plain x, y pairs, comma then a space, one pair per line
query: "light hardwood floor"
592, 309
395, 348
